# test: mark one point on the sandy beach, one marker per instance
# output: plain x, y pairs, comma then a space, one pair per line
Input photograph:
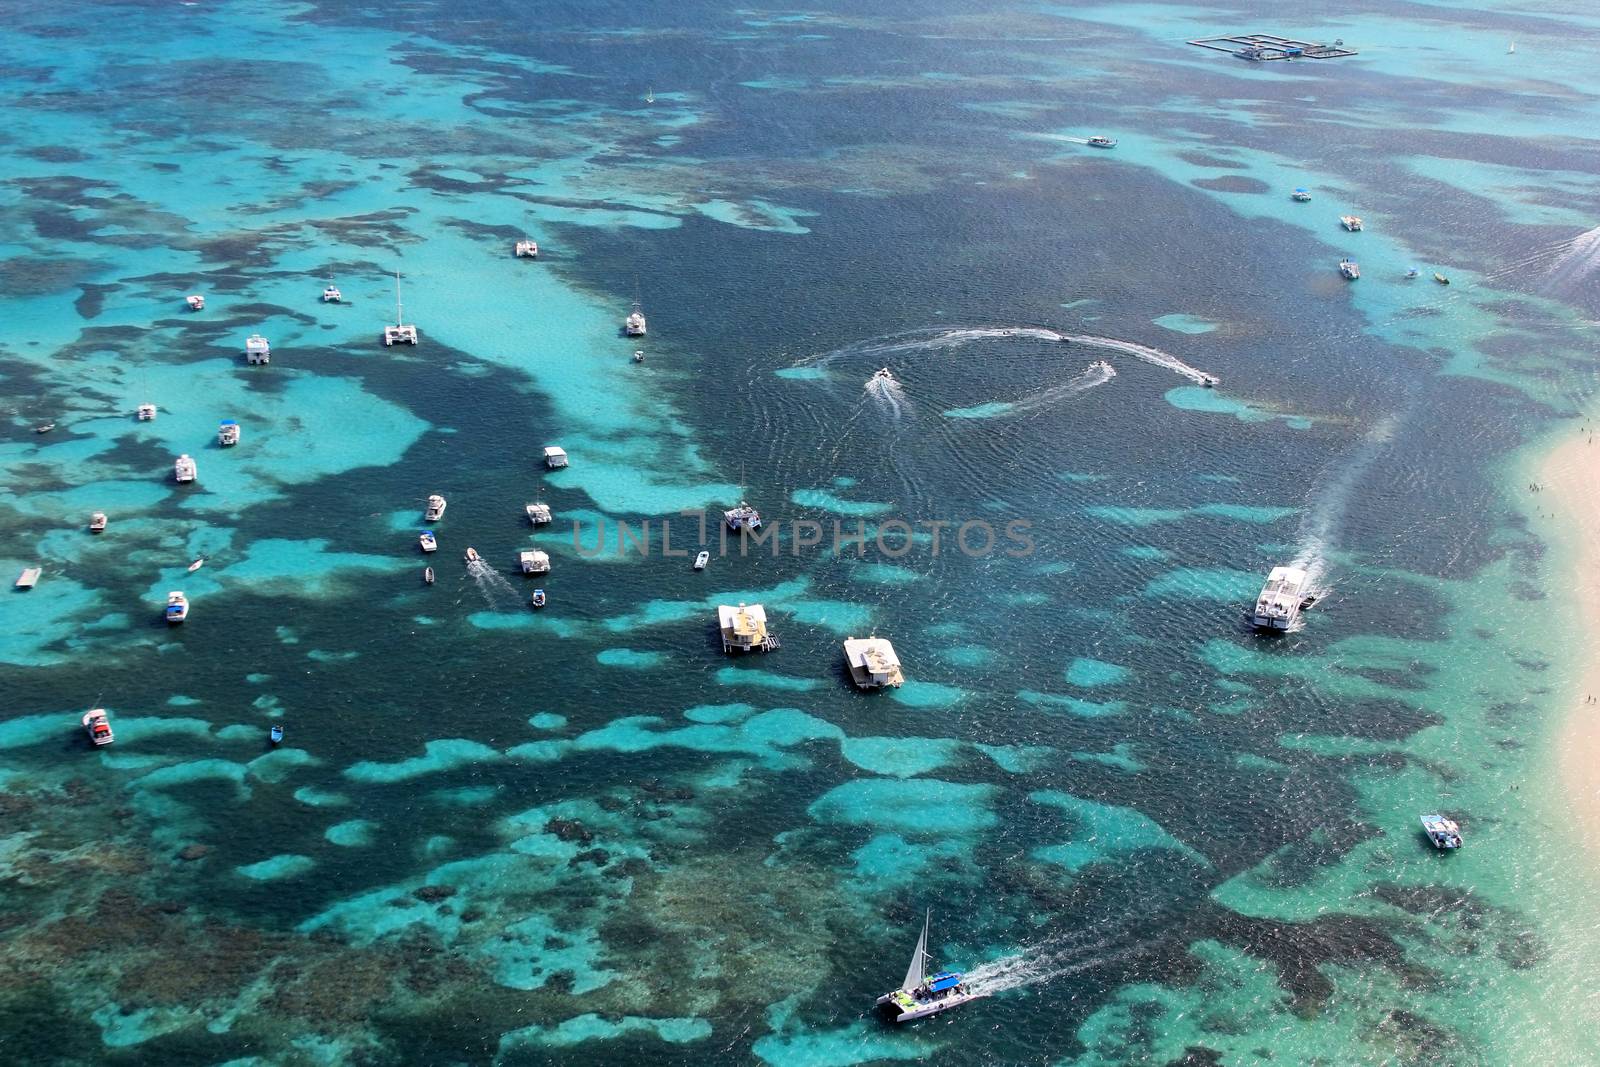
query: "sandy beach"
1570, 488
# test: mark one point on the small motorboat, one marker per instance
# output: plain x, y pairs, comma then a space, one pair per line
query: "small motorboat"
1100, 141
196, 302
200, 561
1443, 832
177, 607
701, 560
1412, 272
428, 542
29, 577
1210, 381
538, 599
332, 295
147, 412
228, 433
638, 355
277, 734
1350, 222
97, 522
1440, 278
1301, 194
97, 726
472, 555
1350, 269
882, 376
184, 469
427, 576
44, 427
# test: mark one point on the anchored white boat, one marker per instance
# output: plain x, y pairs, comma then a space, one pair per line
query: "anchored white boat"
743, 517
633, 325
257, 350
147, 413
97, 522
638, 355
98, 727
920, 996
427, 575
527, 249
177, 607
1350, 222
538, 514
534, 562
228, 433
196, 302
332, 295
555, 457
1301, 194
399, 333
1281, 599
702, 560
184, 469
1443, 832
29, 577
436, 506
1350, 269
428, 542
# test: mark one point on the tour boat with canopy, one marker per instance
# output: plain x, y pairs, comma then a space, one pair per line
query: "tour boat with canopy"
920, 995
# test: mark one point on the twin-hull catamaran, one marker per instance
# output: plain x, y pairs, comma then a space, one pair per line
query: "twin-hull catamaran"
920, 995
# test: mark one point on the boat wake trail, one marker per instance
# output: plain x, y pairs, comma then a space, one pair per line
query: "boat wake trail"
1044, 962
927, 339
1146, 353
1097, 373
1579, 259
497, 592
1321, 524
887, 393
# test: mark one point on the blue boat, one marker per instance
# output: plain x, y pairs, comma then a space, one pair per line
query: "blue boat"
538, 598
1301, 193
277, 734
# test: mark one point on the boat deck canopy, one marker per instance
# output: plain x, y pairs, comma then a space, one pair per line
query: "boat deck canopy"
943, 982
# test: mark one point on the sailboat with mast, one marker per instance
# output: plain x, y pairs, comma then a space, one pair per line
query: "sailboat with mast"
399, 333
920, 996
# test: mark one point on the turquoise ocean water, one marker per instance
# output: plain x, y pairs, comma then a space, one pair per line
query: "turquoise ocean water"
585, 836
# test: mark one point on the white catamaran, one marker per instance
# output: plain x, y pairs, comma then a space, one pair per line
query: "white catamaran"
920, 996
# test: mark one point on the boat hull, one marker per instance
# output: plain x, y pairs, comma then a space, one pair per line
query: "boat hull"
922, 1009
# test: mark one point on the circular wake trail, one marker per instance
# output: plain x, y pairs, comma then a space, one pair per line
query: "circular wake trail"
1145, 352
1099, 374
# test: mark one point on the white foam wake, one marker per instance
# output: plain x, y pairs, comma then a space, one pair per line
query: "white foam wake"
497, 592
1580, 258
1043, 962
1096, 374
888, 393
1146, 353
1323, 521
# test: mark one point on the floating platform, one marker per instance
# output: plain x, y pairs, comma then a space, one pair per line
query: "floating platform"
1260, 47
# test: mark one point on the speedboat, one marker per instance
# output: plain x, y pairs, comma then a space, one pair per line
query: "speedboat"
1350, 222
1100, 141
1210, 381
1301, 194
427, 575
436, 506
428, 542
177, 607
743, 517
195, 302
184, 469
97, 522
881, 376
1412, 272
701, 560
147, 413
1101, 365
538, 598
277, 734
199, 562
1350, 269
97, 726
1281, 599
228, 433
1443, 832
44, 427
332, 295
1440, 278
921, 995
633, 325
472, 555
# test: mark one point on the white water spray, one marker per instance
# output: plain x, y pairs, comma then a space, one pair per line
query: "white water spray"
496, 590
1145, 352
1321, 524
1043, 962
1580, 258
888, 393
1098, 373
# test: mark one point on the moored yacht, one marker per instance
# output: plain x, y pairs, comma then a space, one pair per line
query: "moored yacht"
534, 562
555, 457
332, 295
922, 995
196, 302
436, 506
1302, 194
538, 514
527, 249
400, 332
97, 522
1350, 222
633, 325
1281, 599
743, 517
147, 413
428, 542
1443, 832
97, 726
257, 349
177, 607
1350, 269
184, 469
228, 433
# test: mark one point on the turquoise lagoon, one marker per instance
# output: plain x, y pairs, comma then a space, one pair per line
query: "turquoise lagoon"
583, 836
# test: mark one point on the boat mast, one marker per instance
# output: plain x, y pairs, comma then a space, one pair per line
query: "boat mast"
399, 309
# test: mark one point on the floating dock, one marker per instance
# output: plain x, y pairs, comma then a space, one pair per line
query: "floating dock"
1259, 47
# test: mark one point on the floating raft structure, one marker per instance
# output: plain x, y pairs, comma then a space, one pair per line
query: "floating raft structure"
1259, 47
